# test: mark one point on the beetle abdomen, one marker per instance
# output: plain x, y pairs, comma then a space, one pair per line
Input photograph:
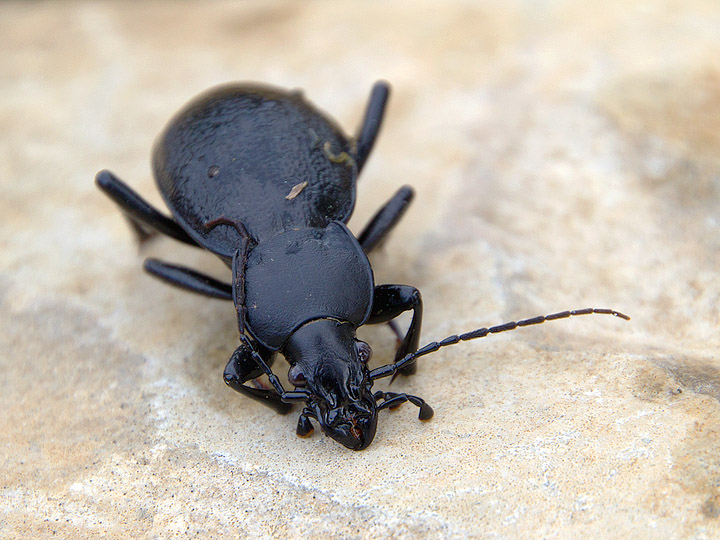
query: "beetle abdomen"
302, 275
257, 155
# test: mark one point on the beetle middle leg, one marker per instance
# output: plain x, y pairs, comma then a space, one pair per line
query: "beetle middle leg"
188, 279
385, 219
243, 365
142, 214
389, 301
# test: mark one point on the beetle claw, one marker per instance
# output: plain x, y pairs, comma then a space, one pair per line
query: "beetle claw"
304, 427
426, 412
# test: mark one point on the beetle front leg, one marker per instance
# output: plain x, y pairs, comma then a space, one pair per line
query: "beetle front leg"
389, 301
247, 363
243, 367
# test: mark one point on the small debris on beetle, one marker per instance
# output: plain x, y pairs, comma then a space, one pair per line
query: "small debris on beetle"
295, 191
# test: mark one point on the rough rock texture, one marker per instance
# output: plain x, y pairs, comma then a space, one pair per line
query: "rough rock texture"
564, 154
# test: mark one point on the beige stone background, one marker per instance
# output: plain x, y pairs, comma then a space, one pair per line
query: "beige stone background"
565, 155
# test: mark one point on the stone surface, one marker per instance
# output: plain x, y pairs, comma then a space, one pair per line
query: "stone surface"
564, 155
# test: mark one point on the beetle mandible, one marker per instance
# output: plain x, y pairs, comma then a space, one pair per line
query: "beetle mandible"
265, 181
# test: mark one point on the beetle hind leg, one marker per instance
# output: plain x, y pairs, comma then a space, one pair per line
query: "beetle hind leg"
372, 121
144, 218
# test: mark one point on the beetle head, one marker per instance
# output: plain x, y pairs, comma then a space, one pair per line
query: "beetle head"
330, 363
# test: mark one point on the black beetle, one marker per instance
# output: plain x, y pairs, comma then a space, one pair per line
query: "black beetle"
266, 182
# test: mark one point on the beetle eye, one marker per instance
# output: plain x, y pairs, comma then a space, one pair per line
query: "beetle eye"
296, 376
364, 351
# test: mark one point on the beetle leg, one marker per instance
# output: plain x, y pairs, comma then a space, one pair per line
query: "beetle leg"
304, 425
282, 394
141, 213
188, 279
389, 301
385, 219
371, 122
242, 367
393, 400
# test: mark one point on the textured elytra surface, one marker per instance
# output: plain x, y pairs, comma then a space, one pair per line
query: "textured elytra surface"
256, 156
564, 155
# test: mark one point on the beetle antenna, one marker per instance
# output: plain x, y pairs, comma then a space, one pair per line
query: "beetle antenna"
391, 369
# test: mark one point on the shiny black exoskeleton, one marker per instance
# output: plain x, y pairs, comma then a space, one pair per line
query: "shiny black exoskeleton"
266, 182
